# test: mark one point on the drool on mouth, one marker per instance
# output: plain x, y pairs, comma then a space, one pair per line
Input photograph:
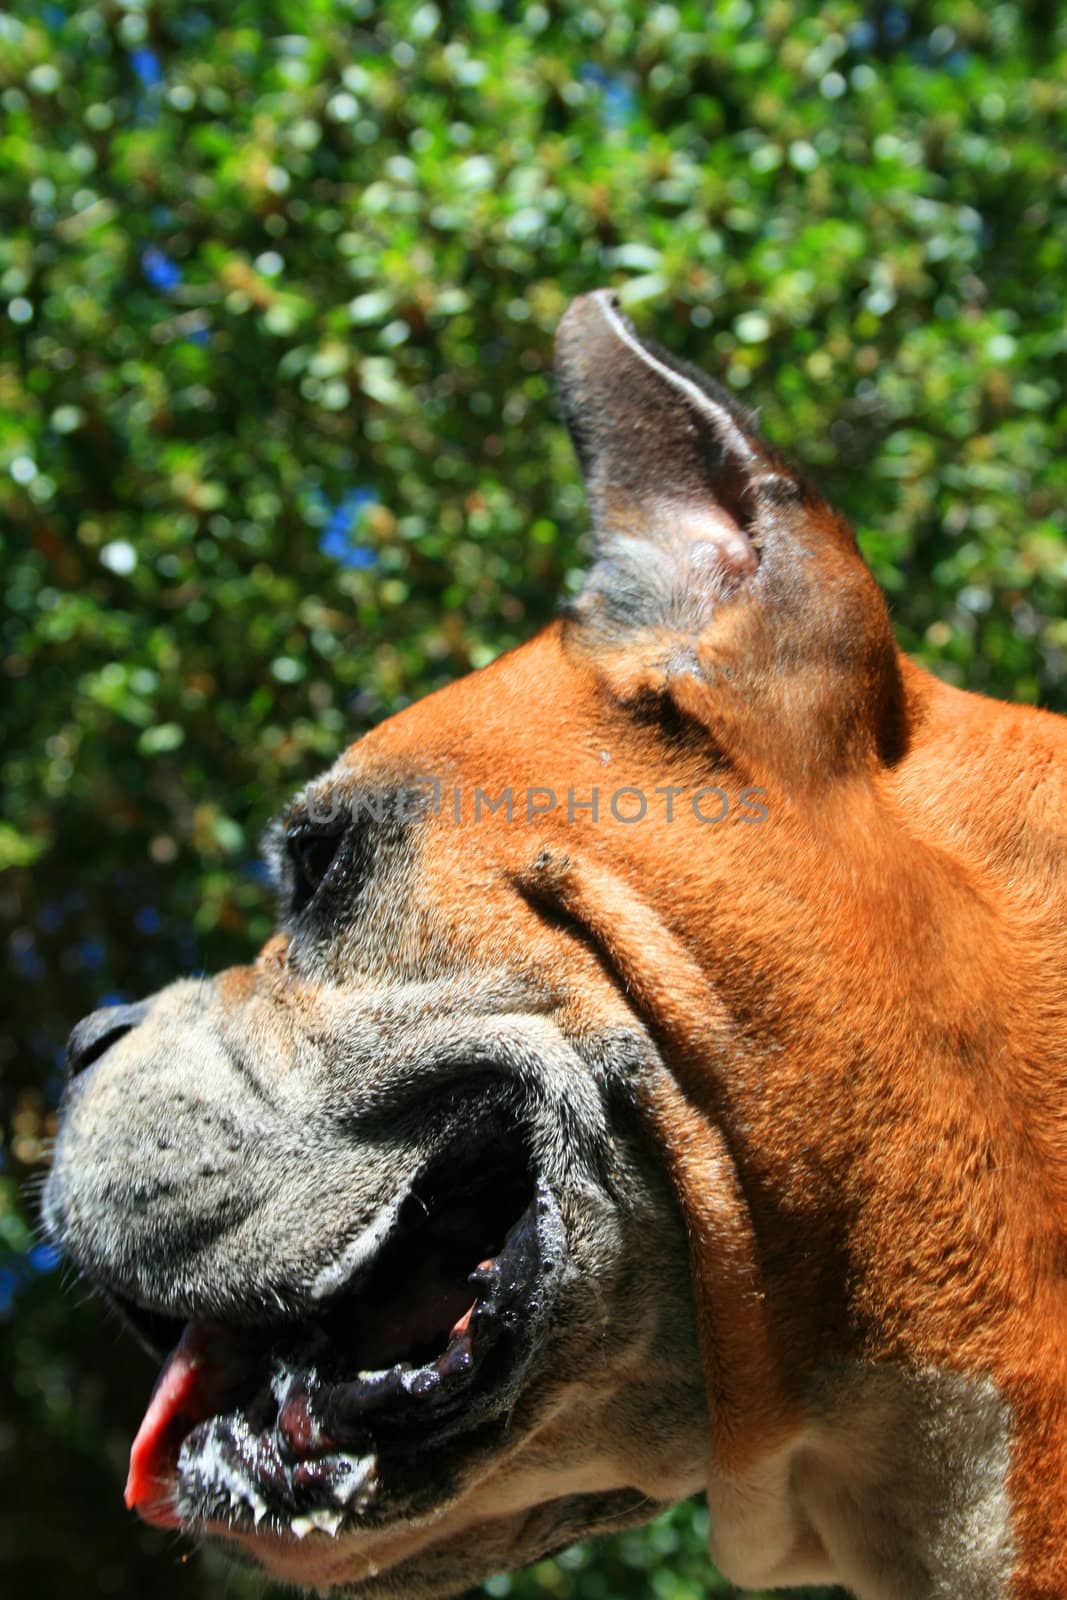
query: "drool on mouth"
310, 1425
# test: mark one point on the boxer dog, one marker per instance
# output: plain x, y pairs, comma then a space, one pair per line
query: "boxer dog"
657, 1084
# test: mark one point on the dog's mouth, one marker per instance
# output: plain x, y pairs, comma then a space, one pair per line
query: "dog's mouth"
343, 1416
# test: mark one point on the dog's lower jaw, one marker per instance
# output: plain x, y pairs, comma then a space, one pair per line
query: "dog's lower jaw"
505, 1516
578, 1455
433, 1562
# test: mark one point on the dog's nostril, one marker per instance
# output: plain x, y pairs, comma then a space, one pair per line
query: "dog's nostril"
98, 1032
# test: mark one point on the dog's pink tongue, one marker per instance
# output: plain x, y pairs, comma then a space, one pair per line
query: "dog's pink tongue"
196, 1378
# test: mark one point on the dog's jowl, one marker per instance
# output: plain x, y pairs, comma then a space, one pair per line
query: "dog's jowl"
656, 1085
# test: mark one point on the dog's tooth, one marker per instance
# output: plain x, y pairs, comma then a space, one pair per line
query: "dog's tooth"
327, 1521
259, 1511
301, 1526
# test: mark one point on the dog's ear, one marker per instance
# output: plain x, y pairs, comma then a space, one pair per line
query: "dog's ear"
722, 580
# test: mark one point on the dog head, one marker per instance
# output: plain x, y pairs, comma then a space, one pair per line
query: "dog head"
434, 1202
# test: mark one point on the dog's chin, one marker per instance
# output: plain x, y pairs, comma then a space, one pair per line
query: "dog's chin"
369, 1412
444, 1553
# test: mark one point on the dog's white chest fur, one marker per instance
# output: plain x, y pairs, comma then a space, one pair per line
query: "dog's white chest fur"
897, 1490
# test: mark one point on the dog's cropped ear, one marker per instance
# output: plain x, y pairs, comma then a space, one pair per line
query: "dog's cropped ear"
722, 580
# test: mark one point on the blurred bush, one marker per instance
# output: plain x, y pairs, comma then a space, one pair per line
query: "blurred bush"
278, 453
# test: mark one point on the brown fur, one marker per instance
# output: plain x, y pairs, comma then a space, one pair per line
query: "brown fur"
864, 1002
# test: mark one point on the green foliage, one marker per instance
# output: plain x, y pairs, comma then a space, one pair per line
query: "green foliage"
278, 454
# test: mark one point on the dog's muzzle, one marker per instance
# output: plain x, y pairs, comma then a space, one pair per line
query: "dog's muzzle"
337, 1308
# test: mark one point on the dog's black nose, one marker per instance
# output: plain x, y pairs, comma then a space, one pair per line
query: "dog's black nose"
98, 1032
